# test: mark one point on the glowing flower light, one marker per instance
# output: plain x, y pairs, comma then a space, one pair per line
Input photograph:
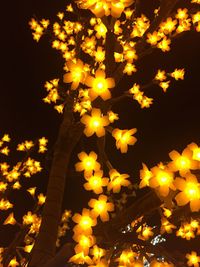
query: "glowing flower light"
96, 182
145, 175
162, 180
182, 163
124, 138
95, 123
101, 207
117, 180
100, 85
88, 163
193, 259
190, 192
85, 222
76, 73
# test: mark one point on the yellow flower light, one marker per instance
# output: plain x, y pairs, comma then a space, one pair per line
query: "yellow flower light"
166, 226
97, 252
190, 192
31, 191
13, 263
162, 180
129, 69
95, 123
28, 248
84, 243
127, 258
6, 138
88, 163
101, 207
41, 199
124, 138
105, 7
101, 30
112, 116
182, 162
145, 175
193, 259
161, 75
10, 219
145, 232
164, 85
196, 151
168, 26
76, 73
96, 182
178, 74
5, 204
182, 13
117, 180
81, 258
164, 45
3, 187
85, 222
99, 85
99, 54
153, 38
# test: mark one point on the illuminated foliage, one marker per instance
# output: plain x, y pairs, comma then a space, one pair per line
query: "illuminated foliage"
118, 227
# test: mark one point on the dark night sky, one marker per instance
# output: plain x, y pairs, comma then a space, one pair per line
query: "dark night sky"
171, 123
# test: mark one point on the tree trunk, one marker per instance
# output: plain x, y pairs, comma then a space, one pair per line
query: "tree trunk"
45, 245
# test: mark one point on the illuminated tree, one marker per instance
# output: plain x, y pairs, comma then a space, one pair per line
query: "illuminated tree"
101, 42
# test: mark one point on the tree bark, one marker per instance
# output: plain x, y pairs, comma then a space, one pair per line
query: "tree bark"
45, 245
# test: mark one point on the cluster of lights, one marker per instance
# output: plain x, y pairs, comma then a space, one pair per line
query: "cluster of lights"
90, 82
187, 187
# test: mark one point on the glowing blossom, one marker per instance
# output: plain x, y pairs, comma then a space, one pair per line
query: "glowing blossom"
88, 163
96, 182
101, 207
162, 180
76, 73
190, 192
117, 180
124, 138
95, 123
84, 222
99, 85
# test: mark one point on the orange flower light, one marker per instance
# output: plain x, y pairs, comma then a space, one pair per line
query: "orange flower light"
95, 123
117, 180
193, 259
145, 175
76, 73
88, 163
97, 252
85, 222
124, 138
10, 219
101, 207
162, 180
127, 258
196, 151
166, 226
13, 263
84, 243
81, 258
105, 7
145, 232
99, 85
190, 192
182, 162
96, 182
